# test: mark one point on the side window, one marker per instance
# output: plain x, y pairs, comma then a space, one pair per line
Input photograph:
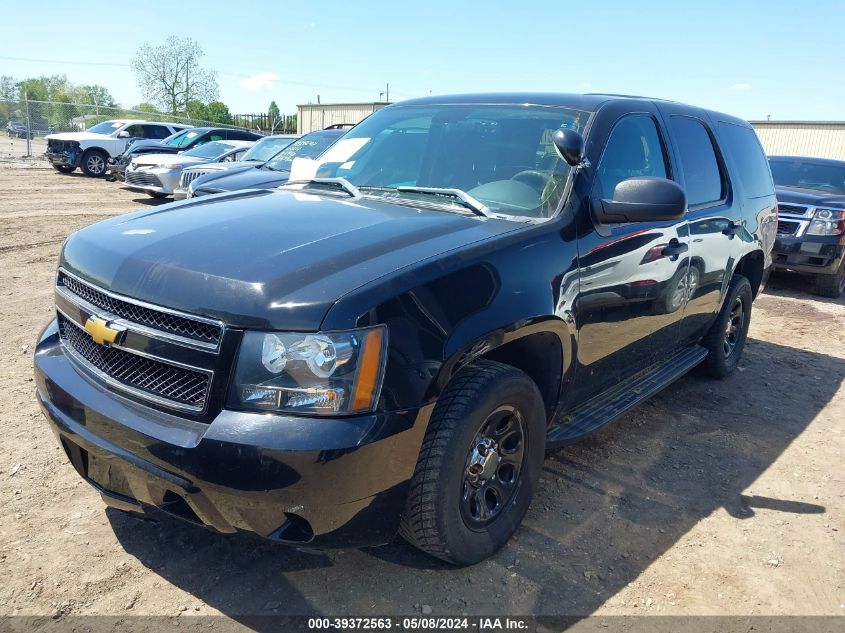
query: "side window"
135, 131
633, 149
156, 132
702, 175
749, 159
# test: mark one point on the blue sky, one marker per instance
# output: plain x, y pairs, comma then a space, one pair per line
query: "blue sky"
748, 58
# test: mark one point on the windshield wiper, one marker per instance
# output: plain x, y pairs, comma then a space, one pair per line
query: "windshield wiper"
340, 183
462, 197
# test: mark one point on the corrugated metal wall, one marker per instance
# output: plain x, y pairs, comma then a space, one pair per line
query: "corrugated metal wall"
316, 116
821, 140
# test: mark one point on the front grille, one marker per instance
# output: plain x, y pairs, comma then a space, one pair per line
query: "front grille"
150, 317
142, 179
786, 227
171, 383
796, 209
188, 177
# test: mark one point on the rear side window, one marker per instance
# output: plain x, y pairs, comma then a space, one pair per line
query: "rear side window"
750, 161
156, 132
702, 175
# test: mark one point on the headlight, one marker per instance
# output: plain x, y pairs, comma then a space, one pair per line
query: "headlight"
827, 222
320, 374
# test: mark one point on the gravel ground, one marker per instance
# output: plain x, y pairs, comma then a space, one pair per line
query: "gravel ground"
718, 498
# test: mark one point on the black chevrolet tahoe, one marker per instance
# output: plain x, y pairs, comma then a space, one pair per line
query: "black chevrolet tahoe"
811, 220
391, 341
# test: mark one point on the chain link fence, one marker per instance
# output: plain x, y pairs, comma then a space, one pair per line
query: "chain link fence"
26, 123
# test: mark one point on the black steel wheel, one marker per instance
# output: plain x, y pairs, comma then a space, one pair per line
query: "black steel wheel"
726, 338
493, 466
478, 466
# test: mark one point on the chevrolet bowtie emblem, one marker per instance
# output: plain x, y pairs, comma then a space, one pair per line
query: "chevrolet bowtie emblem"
101, 332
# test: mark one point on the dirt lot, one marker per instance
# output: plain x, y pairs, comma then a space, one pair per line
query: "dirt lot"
712, 498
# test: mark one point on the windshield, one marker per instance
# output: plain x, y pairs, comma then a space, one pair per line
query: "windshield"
266, 148
209, 150
500, 155
309, 146
106, 127
825, 177
180, 139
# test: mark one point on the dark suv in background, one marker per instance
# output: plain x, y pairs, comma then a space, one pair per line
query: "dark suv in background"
393, 339
811, 224
175, 143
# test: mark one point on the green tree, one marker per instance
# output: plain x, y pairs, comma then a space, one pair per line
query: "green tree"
218, 112
171, 77
196, 110
149, 108
274, 114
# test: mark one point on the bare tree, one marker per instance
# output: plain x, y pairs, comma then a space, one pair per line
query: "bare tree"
170, 75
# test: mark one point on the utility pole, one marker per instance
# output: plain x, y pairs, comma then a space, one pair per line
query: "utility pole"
387, 93
28, 125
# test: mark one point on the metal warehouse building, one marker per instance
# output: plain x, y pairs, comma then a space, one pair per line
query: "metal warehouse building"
821, 139
316, 116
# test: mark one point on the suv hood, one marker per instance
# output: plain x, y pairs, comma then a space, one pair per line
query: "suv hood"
167, 159
247, 179
78, 136
264, 259
811, 197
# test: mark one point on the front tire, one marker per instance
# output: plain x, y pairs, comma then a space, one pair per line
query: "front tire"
157, 194
726, 338
478, 466
832, 286
94, 163
64, 169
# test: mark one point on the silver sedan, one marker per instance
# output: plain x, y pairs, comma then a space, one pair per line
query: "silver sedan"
158, 174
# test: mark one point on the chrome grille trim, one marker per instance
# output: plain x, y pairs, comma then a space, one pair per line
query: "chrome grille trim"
189, 175
144, 317
141, 179
144, 376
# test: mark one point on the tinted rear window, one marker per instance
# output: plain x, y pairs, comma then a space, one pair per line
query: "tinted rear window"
751, 164
702, 176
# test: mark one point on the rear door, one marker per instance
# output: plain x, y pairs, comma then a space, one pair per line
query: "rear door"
629, 305
714, 215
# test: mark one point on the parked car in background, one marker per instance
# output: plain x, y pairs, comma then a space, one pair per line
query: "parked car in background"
179, 142
392, 340
272, 173
811, 220
90, 150
158, 174
255, 156
16, 130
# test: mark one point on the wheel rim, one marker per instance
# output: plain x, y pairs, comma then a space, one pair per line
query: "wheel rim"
95, 164
493, 467
734, 327
685, 288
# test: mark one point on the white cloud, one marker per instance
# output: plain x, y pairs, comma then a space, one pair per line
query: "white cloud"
261, 81
741, 86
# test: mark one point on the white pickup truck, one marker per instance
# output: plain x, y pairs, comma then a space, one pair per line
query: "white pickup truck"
90, 150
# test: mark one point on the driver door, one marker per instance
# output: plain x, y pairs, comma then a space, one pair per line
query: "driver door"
631, 287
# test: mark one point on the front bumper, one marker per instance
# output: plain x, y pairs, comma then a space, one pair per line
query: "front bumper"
64, 158
164, 181
327, 482
180, 194
817, 255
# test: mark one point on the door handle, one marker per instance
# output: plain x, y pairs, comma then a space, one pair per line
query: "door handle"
732, 229
675, 248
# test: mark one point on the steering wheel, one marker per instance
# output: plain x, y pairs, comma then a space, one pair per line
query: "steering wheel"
533, 178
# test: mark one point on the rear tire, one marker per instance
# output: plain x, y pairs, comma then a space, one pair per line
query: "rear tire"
478, 466
94, 163
832, 286
64, 169
726, 338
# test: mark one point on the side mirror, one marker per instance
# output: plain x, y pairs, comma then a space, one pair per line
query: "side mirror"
643, 199
569, 145
123, 134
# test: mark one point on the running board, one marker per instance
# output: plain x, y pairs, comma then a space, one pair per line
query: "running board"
589, 417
